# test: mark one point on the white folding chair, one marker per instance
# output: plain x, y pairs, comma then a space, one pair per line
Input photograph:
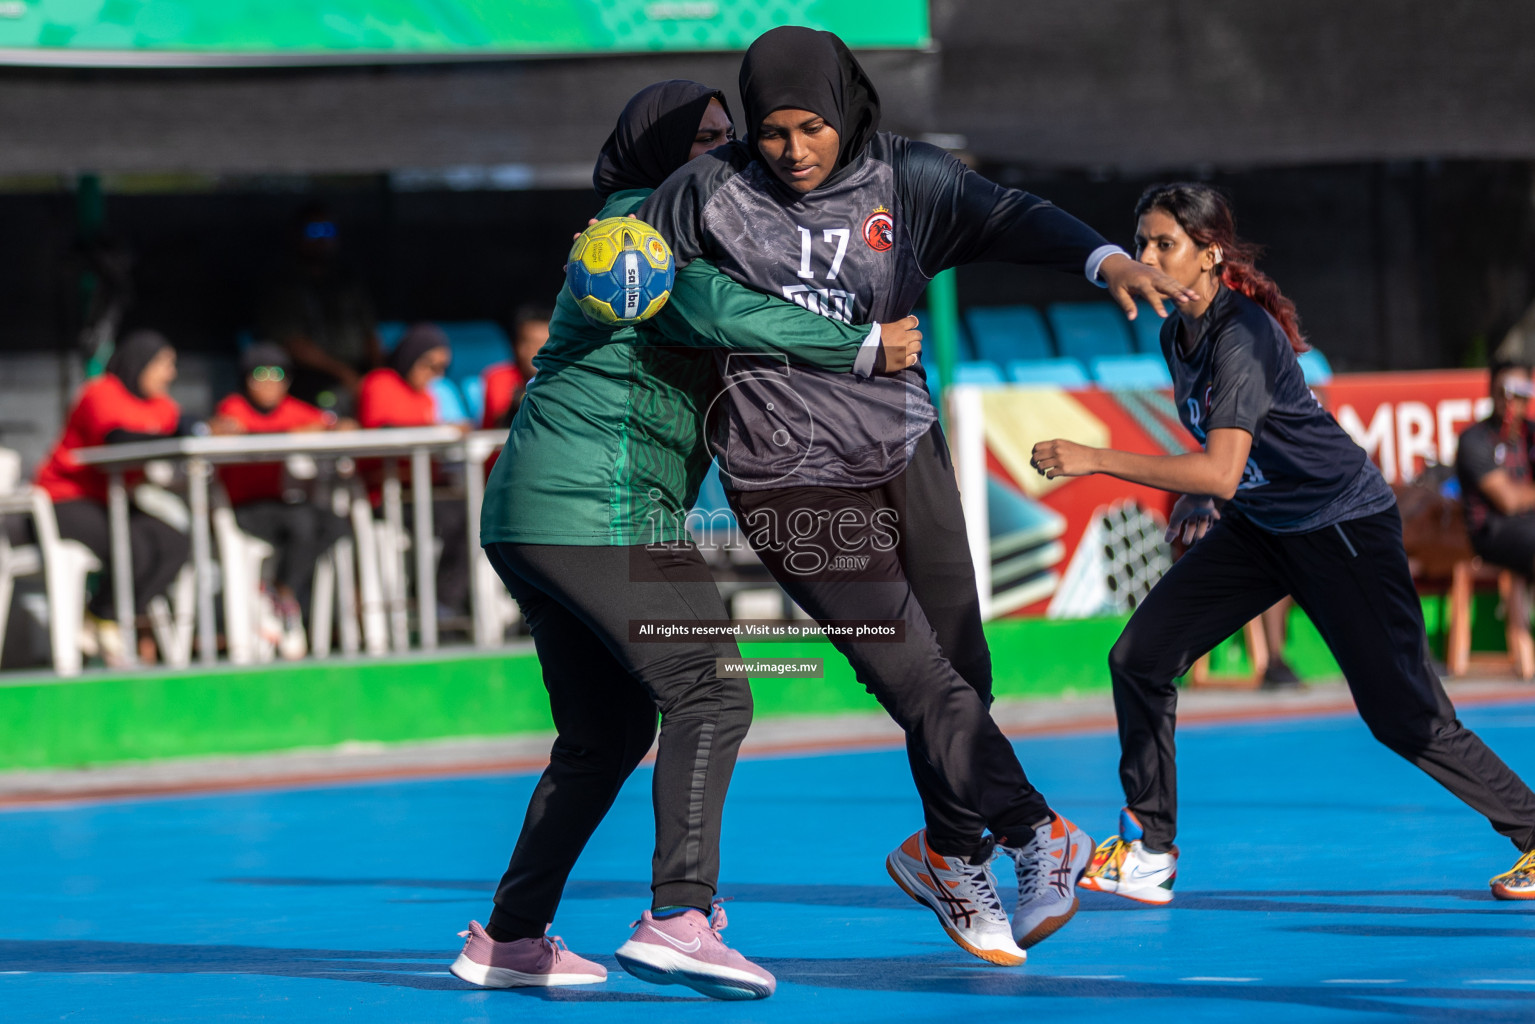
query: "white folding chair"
64, 566
173, 616
373, 599
240, 559
335, 590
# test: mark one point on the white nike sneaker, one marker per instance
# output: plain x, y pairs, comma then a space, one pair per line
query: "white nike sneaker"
1048, 870
1122, 865
962, 894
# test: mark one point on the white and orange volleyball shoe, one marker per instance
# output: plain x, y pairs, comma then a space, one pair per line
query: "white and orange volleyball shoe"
962, 892
1048, 871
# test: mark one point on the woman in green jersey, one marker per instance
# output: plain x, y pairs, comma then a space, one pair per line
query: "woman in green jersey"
583, 520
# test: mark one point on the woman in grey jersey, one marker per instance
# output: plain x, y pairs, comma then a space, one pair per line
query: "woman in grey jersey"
842, 480
1305, 513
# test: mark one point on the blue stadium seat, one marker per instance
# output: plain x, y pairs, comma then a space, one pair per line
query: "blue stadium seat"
389, 332
1001, 333
474, 398
965, 348
1315, 368
1147, 327
450, 404
1131, 373
476, 344
978, 371
1087, 329
1065, 373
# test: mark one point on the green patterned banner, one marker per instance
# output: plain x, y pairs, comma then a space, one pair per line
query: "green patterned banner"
211, 32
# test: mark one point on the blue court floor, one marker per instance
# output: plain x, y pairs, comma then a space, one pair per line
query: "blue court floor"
1322, 880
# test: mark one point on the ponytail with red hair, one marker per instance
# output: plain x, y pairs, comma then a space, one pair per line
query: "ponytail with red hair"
1205, 214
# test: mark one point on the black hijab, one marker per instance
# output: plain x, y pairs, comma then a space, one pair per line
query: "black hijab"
416, 342
132, 355
805, 69
653, 135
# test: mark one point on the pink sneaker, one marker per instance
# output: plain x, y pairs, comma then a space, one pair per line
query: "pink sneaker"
687, 950
544, 961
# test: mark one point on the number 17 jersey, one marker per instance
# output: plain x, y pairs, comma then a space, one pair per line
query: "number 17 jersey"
859, 249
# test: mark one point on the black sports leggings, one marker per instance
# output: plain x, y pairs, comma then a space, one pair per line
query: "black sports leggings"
1352, 580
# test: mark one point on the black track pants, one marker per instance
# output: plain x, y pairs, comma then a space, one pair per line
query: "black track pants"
899, 552
605, 693
1352, 580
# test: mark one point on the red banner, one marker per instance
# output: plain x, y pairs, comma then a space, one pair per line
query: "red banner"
1405, 421
1040, 563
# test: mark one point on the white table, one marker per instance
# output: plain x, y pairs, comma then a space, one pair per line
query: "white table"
200, 454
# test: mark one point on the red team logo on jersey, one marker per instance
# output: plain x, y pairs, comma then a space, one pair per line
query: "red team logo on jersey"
879, 230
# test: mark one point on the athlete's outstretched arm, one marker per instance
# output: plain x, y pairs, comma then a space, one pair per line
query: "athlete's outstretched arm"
956, 216
1214, 472
712, 310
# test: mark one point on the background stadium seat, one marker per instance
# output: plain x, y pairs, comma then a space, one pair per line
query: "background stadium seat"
476, 345
1087, 329
1066, 373
964, 346
450, 403
1001, 333
1315, 368
473, 389
1131, 372
1147, 327
978, 371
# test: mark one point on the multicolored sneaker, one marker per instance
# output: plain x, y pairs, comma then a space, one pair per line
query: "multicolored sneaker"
1122, 865
687, 949
963, 893
1518, 882
1048, 870
524, 962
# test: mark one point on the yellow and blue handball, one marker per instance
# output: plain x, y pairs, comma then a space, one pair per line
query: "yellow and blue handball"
620, 271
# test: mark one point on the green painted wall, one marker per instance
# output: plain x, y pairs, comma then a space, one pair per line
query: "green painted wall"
129, 717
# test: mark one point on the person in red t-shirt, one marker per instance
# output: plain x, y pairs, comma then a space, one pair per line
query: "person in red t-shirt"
505, 382
397, 396
129, 402
300, 530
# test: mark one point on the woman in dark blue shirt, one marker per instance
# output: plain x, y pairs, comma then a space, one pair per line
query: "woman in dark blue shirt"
1303, 512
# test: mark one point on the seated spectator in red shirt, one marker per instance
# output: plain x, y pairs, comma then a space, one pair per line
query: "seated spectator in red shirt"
299, 530
505, 382
129, 402
397, 396
1493, 464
